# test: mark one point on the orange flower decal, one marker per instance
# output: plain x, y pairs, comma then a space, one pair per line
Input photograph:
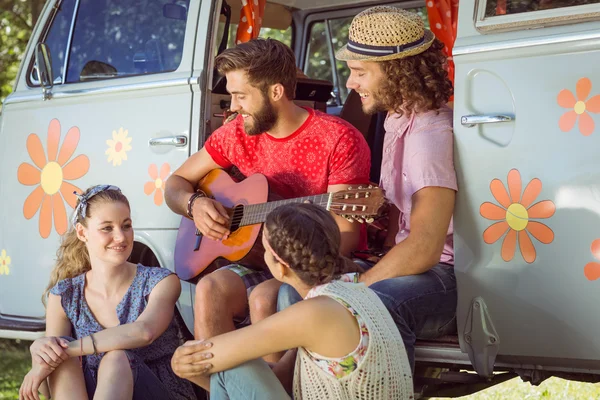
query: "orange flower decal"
515, 214
592, 269
580, 107
51, 175
157, 183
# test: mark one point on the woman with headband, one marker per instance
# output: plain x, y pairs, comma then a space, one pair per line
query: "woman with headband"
348, 345
119, 314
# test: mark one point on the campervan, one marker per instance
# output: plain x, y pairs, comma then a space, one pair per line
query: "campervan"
124, 92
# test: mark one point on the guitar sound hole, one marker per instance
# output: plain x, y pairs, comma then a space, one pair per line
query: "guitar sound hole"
236, 219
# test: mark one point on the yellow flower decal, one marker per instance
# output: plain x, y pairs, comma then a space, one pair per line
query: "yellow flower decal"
157, 184
4, 263
51, 176
515, 214
118, 147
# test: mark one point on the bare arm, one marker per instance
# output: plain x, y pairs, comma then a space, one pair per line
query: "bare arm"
421, 250
350, 230
152, 323
319, 324
182, 183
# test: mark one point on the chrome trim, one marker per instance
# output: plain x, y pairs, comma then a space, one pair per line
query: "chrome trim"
177, 141
522, 43
471, 120
17, 98
68, 49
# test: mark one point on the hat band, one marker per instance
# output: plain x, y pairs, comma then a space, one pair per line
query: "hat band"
369, 50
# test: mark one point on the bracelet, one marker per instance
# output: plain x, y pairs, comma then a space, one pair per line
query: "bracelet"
191, 201
93, 344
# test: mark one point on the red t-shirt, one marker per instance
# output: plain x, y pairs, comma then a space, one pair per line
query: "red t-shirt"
324, 151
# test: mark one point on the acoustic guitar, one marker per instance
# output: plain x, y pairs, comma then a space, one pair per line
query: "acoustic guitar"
248, 206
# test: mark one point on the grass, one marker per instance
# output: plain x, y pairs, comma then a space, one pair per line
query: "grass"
15, 362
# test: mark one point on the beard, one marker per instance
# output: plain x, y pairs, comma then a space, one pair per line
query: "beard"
263, 120
378, 100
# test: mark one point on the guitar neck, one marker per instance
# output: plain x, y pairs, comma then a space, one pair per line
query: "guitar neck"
257, 213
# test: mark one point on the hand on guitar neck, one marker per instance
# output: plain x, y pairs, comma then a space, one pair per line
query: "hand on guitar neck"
212, 219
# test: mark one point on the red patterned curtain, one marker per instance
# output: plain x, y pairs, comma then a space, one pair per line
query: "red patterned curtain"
443, 16
250, 20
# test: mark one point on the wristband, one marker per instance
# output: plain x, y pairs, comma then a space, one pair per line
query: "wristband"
191, 201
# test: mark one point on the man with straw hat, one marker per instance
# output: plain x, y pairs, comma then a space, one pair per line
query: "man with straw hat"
397, 66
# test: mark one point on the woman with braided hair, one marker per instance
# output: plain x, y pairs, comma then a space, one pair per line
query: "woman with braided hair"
348, 346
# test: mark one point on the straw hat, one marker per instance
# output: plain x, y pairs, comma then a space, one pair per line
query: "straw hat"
385, 33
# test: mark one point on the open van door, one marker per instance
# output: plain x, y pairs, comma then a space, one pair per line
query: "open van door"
109, 101
527, 220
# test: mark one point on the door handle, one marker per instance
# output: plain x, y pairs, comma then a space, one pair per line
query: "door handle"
470, 121
177, 141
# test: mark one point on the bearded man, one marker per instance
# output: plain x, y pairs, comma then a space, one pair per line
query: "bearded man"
301, 151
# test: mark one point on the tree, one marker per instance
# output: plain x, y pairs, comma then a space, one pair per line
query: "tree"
17, 19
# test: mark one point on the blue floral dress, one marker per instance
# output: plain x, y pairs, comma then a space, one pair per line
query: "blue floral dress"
156, 356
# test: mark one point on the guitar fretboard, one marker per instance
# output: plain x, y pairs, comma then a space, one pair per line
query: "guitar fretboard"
257, 213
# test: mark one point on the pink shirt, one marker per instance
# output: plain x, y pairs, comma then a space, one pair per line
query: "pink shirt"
418, 152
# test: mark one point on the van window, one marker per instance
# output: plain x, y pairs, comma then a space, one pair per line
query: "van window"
283, 35
119, 38
503, 7
57, 39
325, 41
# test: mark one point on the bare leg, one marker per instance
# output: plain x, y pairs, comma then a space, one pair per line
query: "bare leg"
220, 297
67, 381
115, 378
263, 303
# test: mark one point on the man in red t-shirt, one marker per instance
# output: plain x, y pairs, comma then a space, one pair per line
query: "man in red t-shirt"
301, 151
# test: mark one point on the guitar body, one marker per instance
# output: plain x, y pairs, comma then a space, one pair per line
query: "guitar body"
219, 185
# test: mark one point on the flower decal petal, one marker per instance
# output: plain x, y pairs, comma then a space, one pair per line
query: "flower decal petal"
532, 191
36, 150
51, 176
543, 209
491, 211
149, 188
500, 193
567, 121
69, 145
509, 246
28, 175
33, 202
60, 214
583, 87
586, 124
46, 217
53, 139
593, 104
526, 246
540, 231
158, 197
495, 232
153, 171
592, 271
566, 99
76, 168
515, 215
514, 185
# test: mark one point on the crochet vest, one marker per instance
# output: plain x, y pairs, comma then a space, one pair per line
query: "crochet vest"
383, 374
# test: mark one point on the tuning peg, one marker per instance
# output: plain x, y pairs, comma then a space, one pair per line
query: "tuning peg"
360, 187
360, 220
370, 186
349, 218
354, 208
369, 220
349, 187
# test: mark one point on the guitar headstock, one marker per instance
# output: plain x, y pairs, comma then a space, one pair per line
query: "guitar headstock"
361, 203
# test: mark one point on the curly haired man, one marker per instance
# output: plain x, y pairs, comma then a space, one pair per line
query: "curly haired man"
398, 67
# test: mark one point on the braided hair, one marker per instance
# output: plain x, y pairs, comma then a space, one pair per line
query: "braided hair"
307, 238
